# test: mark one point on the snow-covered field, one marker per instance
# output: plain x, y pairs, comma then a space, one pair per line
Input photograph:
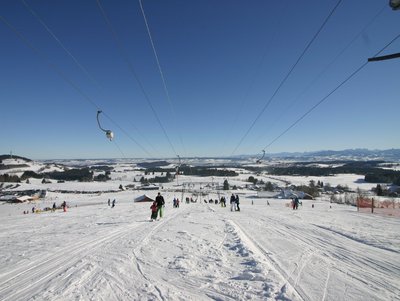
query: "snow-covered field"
197, 252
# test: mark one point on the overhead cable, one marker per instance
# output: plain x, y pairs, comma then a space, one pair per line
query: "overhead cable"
65, 78
161, 72
76, 61
323, 71
286, 77
330, 93
132, 70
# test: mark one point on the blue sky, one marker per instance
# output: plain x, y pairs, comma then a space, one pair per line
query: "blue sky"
221, 60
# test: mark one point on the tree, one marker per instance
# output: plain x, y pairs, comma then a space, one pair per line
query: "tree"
226, 185
379, 190
269, 186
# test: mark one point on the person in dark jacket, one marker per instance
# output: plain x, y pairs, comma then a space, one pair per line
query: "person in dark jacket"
160, 205
233, 202
237, 203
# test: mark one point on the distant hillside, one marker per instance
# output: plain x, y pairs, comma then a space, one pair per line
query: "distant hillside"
5, 157
348, 154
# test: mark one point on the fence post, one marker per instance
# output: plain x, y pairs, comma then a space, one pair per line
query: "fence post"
372, 206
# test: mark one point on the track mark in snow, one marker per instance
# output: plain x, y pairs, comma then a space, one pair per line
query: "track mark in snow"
265, 257
326, 286
361, 241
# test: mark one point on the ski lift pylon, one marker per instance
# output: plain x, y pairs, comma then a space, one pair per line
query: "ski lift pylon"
109, 133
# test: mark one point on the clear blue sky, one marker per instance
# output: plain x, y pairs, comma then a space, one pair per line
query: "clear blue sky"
222, 61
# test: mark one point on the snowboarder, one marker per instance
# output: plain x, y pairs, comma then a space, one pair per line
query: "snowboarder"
160, 205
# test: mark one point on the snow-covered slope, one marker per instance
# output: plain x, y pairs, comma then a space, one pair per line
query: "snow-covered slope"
197, 252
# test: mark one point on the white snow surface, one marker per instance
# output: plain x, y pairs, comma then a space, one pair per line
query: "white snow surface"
199, 251
196, 252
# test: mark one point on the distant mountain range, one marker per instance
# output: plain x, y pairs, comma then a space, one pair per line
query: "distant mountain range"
359, 154
347, 154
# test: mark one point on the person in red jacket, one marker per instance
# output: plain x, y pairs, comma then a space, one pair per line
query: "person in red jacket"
153, 208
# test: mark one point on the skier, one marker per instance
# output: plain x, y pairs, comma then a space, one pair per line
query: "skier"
237, 203
160, 205
64, 206
153, 208
109, 202
113, 203
54, 207
233, 201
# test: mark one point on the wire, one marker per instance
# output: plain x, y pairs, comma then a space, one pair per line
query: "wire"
161, 72
132, 70
286, 77
60, 43
330, 93
276, 24
322, 72
76, 61
65, 78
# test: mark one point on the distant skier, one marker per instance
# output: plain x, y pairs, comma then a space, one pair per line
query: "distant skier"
237, 203
153, 208
113, 203
109, 202
295, 203
54, 207
233, 202
160, 204
64, 206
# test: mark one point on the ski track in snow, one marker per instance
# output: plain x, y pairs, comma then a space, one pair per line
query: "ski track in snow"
261, 253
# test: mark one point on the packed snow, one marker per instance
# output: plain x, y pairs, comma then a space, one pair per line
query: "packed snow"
199, 251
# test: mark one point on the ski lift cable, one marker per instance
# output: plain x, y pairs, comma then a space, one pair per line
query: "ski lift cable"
322, 72
40, 20
287, 76
63, 76
330, 93
133, 72
166, 91
119, 148
254, 75
87, 73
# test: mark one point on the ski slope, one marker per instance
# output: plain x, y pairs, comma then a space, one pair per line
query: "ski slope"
198, 252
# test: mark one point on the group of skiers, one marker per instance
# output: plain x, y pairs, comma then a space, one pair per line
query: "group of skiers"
295, 203
112, 204
235, 203
176, 203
